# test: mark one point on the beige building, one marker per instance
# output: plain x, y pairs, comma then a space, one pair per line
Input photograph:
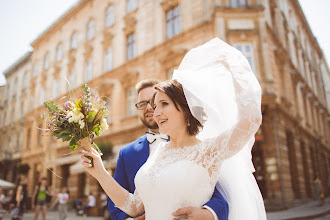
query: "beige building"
111, 45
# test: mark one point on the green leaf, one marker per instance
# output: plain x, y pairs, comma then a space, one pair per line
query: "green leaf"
73, 143
91, 116
96, 129
66, 138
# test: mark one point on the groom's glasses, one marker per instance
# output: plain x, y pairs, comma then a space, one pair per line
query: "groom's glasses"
142, 105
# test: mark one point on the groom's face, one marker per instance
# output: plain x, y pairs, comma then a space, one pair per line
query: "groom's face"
146, 114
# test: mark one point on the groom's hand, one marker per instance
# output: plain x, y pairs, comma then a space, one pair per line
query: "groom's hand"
194, 213
142, 217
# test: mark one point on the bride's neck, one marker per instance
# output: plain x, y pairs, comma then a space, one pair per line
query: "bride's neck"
183, 140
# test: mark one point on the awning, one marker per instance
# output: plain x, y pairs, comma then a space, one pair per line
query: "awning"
6, 185
77, 168
67, 160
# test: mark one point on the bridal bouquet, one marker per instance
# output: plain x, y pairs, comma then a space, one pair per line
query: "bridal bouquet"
78, 121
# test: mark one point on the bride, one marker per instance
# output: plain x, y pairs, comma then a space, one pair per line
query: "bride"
211, 110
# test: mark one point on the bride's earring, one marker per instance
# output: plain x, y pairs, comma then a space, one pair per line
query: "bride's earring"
188, 123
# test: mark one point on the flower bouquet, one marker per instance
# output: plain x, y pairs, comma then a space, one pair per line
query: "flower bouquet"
78, 121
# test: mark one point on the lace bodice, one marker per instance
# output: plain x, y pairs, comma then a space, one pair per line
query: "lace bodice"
174, 178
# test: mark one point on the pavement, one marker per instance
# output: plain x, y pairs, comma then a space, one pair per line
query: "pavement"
310, 210
53, 215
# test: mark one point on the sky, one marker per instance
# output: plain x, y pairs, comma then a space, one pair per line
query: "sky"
22, 21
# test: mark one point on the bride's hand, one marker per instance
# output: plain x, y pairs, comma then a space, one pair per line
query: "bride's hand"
98, 169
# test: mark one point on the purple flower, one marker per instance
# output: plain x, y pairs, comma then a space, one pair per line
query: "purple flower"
68, 105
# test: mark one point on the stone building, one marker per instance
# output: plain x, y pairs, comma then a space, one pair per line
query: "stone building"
13, 107
112, 44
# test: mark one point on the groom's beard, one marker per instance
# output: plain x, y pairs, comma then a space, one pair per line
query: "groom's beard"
151, 124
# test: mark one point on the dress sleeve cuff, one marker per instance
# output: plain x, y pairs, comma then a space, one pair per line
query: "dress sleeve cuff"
211, 210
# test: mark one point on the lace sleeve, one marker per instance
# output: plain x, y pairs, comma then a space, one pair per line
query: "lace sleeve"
249, 117
133, 205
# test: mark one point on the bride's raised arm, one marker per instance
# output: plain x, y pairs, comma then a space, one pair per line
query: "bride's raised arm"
130, 203
248, 100
223, 94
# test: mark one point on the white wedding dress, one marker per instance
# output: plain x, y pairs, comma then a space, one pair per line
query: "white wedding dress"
174, 178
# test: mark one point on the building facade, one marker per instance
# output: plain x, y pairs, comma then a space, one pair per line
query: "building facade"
112, 44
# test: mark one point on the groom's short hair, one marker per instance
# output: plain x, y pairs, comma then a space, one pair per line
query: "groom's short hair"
146, 84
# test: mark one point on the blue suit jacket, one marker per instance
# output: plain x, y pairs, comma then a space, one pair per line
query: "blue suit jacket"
131, 158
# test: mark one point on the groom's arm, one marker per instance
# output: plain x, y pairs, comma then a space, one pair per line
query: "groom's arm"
218, 205
216, 209
121, 177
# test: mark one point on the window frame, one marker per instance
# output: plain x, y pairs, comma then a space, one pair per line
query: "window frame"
109, 16
130, 101
90, 29
173, 22
247, 54
131, 46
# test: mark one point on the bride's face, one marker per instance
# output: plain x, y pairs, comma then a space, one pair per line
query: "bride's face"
170, 121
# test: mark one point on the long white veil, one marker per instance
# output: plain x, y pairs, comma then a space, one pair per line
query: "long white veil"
209, 90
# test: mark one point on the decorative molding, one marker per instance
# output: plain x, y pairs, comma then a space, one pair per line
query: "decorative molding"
168, 4
130, 22
107, 38
88, 50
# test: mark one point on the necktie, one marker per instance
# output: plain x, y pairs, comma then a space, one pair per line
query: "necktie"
151, 137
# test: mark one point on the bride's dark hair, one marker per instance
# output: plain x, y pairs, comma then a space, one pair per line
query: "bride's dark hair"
173, 89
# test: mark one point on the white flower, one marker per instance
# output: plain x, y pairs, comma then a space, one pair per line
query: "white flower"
82, 124
75, 115
104, 125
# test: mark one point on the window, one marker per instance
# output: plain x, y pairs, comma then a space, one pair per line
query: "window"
108, 60
40, 134
238, 3
247, 51
108, 105
25, 80
130, 46
31, 103
22, 109
14, 88
46, 61
35, 70
59, 52
130, 101
131, 5
8, 89
173, 22
90, 30
88, 71
74, 41
28, 135
42, 96
71, 80
55, 88
109, 17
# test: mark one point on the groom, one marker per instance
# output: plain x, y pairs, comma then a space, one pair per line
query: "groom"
135, 154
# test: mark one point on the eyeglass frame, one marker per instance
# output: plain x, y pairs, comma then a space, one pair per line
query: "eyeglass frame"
147, 102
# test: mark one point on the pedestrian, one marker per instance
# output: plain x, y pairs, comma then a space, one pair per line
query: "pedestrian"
20, 198
62, 198
319, 194
91, 202
39, 198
